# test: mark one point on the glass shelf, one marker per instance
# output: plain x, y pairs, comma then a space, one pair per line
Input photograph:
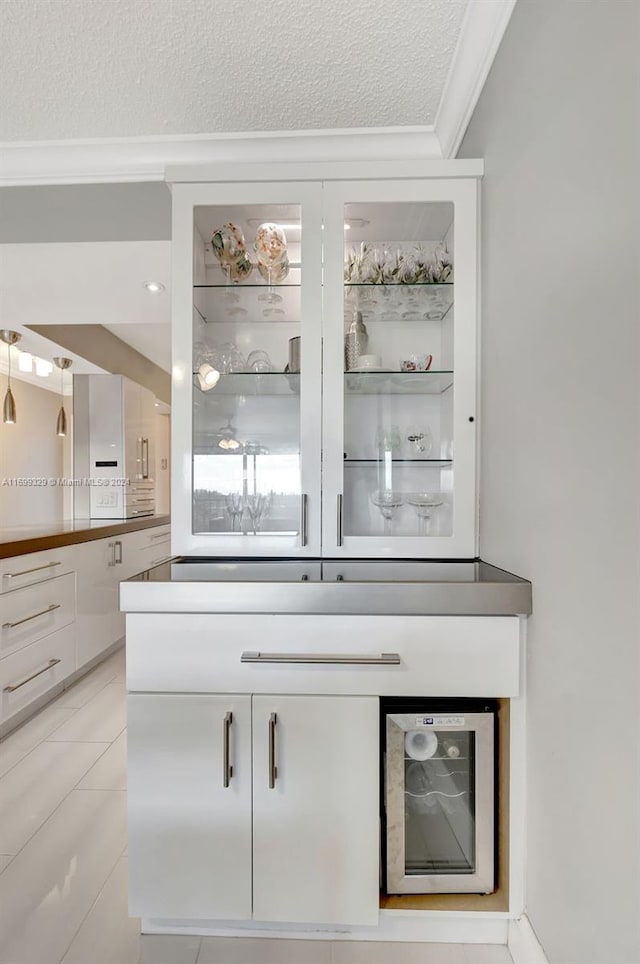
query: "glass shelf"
245, 285
247, 303
252, 383
397, 383
395, 302
432, 463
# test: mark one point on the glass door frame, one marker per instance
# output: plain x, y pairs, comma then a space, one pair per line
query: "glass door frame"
187, 197
463, 542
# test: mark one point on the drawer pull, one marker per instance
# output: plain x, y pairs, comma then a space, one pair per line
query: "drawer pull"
227, 769
161, 535
384, 659
27, 619
273, 769
26, 572
16, 686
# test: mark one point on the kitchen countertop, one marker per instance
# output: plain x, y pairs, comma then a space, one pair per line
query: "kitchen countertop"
316, 586
18, 540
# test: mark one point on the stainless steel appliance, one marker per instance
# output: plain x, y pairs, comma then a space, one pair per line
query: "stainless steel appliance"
113, 448
438, 795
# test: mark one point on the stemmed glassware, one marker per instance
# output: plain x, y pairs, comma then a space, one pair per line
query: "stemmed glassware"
423, 504
388, 502
273, 264
257, 506
234, 504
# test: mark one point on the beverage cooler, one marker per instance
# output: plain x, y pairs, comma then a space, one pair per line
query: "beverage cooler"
438, 795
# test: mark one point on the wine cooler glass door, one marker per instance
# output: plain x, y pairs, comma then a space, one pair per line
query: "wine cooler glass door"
439, 803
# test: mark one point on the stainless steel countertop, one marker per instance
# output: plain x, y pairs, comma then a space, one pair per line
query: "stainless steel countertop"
349, 587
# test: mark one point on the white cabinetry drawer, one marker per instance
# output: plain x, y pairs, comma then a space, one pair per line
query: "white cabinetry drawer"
437, 655
33, 612
29, 673
34, 567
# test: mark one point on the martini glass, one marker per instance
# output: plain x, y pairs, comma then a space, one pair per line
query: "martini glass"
388, 502
423, 504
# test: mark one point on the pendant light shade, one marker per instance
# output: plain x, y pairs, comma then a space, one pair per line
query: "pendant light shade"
61, 423
9, 408
9, 405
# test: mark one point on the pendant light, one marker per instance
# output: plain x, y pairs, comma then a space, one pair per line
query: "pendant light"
61, 424
9, 407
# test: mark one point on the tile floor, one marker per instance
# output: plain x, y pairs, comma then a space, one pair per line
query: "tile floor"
63, 864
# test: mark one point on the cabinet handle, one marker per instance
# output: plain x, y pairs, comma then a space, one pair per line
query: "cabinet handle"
227, 769
339, 534
273, 769
117, 559
303, 519
112, 561
161, 535
16, 686
145, 458
384, 659
43, 612
26, 572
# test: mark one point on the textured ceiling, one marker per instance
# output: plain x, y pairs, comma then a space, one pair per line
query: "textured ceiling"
122, 68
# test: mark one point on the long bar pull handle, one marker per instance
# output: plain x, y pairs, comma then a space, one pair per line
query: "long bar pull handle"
27, 619
339, 521
384, 659
145, 458
139, 472
16, 686
117, 554
112, 561
27, 572
303, 519
273, 769
227, 769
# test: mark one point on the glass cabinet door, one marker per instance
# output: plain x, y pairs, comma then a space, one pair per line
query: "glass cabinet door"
399, 368
251, 359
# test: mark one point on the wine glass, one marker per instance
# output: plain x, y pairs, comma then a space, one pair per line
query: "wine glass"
388, 502
257, 507
420, 441
423, 503
234, 504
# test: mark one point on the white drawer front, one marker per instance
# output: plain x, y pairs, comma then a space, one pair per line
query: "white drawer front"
34, 567
33, 612
438, 655
29, 673
146, 538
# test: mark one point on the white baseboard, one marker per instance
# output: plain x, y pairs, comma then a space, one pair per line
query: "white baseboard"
524, 946
416, 927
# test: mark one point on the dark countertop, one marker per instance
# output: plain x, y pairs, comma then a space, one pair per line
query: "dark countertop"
18, 540
346, 587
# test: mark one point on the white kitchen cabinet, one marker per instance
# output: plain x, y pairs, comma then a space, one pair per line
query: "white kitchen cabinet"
306, 851
395, 474
189, 849
315, 831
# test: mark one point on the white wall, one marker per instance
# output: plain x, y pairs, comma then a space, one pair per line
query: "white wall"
31, 449
557, 125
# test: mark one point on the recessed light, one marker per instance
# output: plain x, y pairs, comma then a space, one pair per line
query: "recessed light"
153, 287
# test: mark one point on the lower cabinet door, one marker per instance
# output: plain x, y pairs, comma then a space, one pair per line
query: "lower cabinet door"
189, 849
316, 809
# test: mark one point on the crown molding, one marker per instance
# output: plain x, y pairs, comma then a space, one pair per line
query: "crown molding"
482, 31
133, 159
